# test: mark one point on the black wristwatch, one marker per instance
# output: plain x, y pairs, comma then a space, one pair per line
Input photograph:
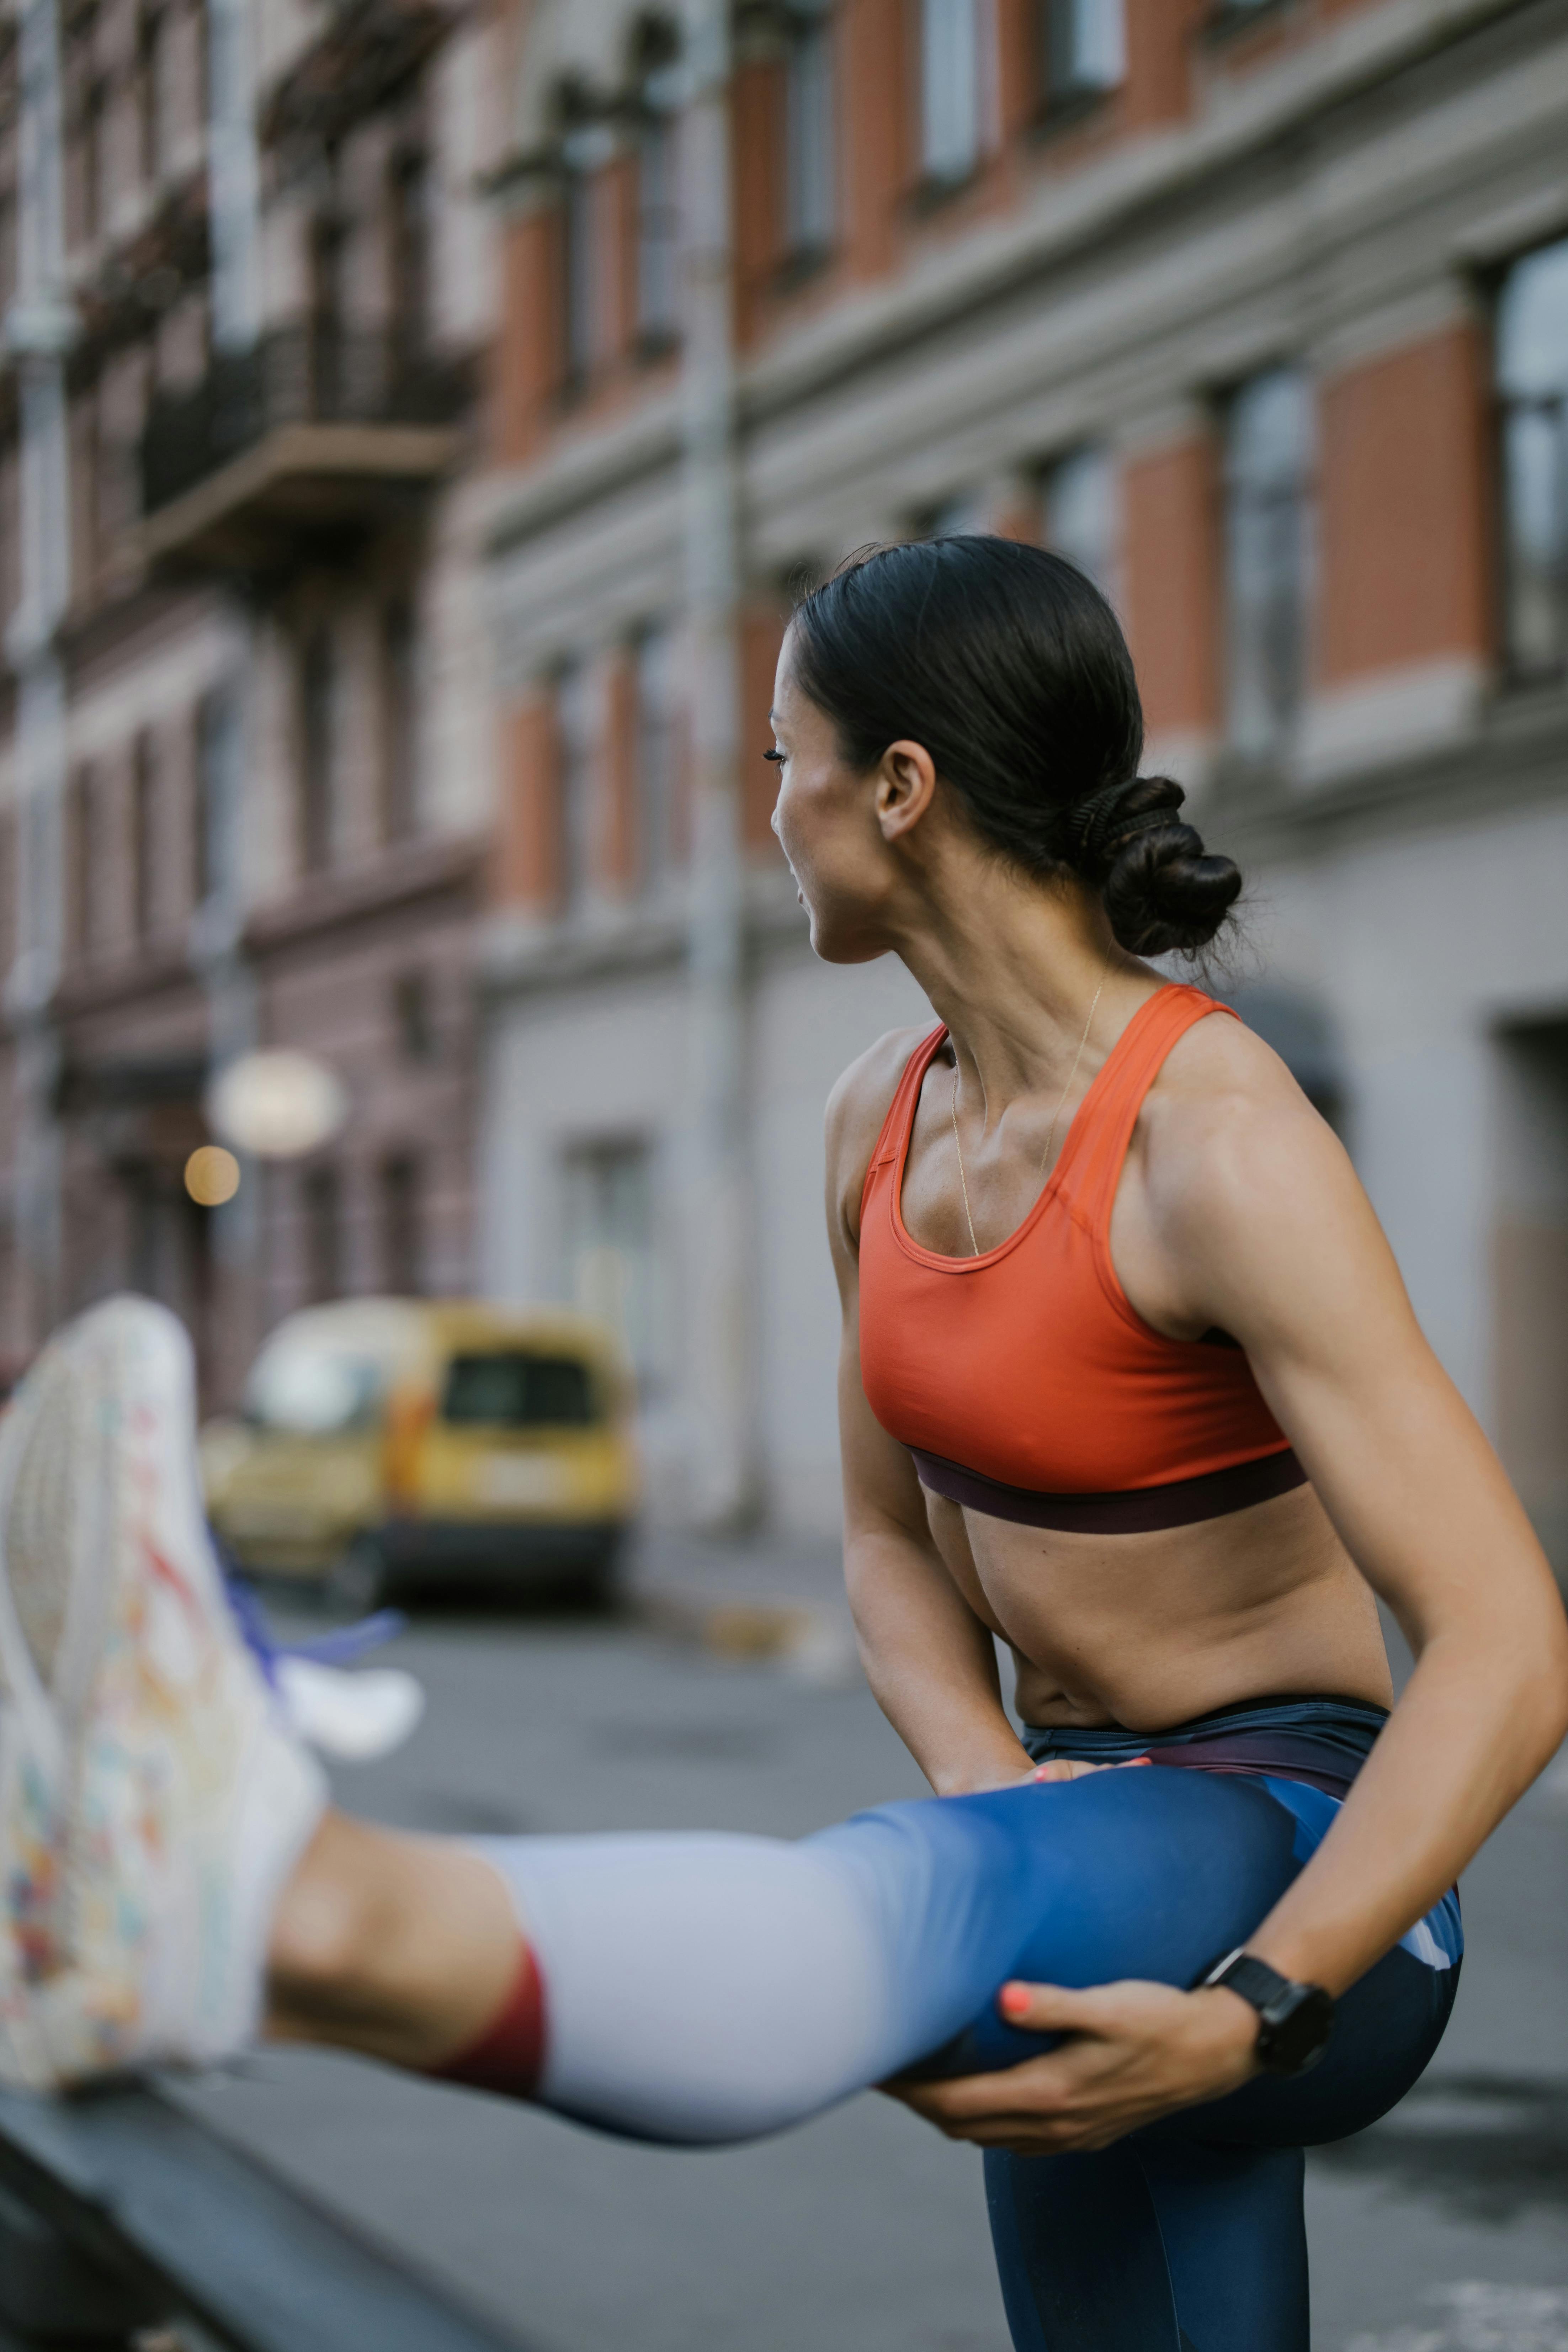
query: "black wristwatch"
1295, 2020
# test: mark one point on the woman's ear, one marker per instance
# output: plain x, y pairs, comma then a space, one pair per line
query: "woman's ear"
906, 784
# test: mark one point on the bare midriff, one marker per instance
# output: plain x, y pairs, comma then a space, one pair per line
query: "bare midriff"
1148, 1631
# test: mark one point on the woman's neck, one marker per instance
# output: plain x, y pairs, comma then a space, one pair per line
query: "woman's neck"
1013, 969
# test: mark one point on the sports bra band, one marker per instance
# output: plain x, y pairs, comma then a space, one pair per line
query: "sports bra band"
1136, 1510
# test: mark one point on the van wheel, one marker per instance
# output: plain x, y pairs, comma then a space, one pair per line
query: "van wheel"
360, 1582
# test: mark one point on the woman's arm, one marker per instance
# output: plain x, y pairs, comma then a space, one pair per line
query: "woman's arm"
1281, 1241
928, 1658
1245, 1214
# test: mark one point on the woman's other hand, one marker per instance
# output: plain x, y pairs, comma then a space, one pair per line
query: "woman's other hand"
1137, 2051
1060, 1767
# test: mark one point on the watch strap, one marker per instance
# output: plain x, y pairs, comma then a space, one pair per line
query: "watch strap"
1242, 1971
1294, 2021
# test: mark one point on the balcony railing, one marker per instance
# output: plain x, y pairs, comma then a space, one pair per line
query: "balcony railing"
296, 376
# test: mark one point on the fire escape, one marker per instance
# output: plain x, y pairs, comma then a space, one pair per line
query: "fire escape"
314, 430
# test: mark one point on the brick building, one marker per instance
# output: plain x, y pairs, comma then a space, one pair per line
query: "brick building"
1258, 310
261, 819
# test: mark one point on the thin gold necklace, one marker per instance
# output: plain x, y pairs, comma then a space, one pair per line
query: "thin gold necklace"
1051, 1132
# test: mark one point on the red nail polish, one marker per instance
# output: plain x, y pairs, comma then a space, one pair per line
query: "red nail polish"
1015, 2000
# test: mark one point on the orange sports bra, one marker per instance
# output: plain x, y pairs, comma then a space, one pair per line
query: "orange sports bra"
1022, 1380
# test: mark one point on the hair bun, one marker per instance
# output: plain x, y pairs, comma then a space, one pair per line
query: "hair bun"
1162, 890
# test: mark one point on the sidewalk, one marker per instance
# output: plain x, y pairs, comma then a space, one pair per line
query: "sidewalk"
765, 1597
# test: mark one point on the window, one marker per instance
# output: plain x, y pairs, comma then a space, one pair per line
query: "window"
153, 94
1267, 489
1080, 514
144, 840
1085, 48
399, 720
659, 215
410, 238
950, 88
322, 1201
402, 1226
417, 1039
514, 1391
311, 1390
215, 811
961, 515
574, 772
93, 109
7, 249
83, 806
810, 191
656, 743
586, 150
328, 244
1532, 384
607, 1197
317, 751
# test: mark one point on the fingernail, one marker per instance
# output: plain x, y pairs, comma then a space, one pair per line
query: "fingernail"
1015, 2000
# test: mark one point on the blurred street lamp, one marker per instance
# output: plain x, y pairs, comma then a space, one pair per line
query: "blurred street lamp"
212, 1176
278, 1104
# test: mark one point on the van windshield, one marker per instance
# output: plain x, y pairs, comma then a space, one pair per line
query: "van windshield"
313, 1390
515, 1390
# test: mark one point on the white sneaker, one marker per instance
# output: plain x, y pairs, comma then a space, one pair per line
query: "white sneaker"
153, 1804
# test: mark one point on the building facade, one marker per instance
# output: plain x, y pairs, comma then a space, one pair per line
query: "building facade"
1260, 311
244, 762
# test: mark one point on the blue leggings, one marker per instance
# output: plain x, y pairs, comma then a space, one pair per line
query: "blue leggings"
703, 1988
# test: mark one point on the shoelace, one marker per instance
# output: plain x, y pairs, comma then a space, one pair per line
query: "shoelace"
343, 1646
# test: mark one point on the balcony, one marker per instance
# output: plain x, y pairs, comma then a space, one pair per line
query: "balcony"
315, 435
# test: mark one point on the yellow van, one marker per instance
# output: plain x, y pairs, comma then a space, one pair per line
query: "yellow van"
384, 1441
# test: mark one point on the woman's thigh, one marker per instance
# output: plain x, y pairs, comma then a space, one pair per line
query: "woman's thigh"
1152, 1874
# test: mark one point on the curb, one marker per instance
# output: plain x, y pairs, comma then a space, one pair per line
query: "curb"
809, 1640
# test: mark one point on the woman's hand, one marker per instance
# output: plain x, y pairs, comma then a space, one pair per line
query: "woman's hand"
1060, 1767
1138, 2051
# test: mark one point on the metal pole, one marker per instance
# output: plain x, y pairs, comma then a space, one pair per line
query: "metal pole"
39, 329
725, 1465
217, 941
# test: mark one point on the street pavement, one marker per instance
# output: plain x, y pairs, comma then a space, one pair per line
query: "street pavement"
1441, 2231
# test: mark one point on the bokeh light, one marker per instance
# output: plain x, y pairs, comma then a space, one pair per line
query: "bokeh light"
278, 1104
212, 1176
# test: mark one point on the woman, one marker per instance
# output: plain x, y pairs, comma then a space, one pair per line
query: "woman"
1084, 1392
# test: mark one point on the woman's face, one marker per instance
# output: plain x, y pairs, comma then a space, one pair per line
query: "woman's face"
825, 819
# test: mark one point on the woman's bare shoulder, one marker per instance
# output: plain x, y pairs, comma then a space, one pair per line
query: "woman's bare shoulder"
1226, 1124
856, 1108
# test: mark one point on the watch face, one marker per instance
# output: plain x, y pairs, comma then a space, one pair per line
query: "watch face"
1296, 2029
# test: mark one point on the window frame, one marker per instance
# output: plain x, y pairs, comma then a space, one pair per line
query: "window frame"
1301, 497
937, 180
318, 752
1516, 675
1090, 448
144, 764
1070, 93
586, 150
811, 46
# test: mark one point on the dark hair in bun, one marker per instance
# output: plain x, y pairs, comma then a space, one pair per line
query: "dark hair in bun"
1011, 669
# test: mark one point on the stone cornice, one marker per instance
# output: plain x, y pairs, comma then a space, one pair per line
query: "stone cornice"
1516, 759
